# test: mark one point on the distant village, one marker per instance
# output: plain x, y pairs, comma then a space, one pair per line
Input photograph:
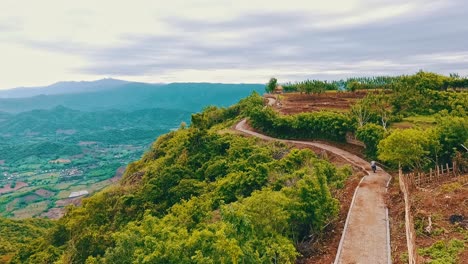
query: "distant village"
64, 173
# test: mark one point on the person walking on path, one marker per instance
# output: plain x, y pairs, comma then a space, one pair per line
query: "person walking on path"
373, 166
365, 238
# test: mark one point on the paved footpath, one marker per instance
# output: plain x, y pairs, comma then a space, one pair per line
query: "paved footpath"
366, 236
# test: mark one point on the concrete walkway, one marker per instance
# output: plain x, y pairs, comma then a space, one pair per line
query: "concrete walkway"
365, 238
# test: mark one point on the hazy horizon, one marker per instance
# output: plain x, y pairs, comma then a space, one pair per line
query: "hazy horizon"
117, 79
213, 41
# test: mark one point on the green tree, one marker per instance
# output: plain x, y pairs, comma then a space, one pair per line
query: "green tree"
452, 131
352, 86
271, 85
370, 134
409, 147
418, 93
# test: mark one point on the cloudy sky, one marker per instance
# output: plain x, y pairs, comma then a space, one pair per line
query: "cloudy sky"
46, 41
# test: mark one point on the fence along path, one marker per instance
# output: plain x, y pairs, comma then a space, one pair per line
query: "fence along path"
418, 179
439, 174
365, 238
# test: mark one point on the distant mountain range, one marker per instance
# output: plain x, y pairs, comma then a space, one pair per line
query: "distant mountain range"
127, 96
63, 88
63, 119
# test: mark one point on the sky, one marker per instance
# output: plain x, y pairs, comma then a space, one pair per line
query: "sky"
42, 42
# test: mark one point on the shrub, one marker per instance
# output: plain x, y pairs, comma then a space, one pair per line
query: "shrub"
316, 125
443, 252
370, 134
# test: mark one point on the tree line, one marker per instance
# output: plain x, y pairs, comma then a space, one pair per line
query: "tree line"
426, 79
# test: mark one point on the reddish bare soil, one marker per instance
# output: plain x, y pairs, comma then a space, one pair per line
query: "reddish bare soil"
439, 203
8, 188
293, 103
68, 201
58, 211
396, 212
30, 198
54, 213
44, 193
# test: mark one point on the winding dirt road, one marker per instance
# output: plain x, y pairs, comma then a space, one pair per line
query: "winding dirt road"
365, 238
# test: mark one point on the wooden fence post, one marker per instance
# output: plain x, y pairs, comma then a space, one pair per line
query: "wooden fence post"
409, 225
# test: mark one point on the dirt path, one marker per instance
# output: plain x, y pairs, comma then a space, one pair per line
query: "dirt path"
271, 101
365, 238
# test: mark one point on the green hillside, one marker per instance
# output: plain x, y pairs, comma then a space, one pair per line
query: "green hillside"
15, 233
63, 150
59, 119
190, 97
219, 196
58, 131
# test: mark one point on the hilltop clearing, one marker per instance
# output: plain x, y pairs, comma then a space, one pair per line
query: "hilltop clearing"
294, 103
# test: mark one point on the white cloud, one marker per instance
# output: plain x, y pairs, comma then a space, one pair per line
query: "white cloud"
21, 66
443, 57
52, 40
364, 16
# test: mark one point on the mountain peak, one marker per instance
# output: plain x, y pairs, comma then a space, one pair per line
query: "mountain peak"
99, 81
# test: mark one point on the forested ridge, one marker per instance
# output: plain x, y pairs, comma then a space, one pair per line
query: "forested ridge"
199, 196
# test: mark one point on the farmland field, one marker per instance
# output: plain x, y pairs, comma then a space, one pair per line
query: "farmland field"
40, 168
